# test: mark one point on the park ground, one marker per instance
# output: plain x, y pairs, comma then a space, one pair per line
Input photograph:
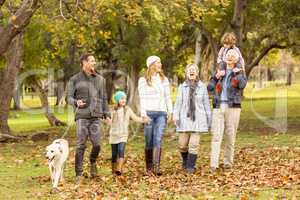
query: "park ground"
267, 162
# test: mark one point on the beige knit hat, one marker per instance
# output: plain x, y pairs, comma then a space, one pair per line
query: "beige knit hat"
151, 60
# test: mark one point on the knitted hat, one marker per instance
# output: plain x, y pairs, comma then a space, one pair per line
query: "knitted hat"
232, 53
151, 60
118, 96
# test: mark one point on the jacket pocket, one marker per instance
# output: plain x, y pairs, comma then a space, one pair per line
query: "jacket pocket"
96, 107
237, 98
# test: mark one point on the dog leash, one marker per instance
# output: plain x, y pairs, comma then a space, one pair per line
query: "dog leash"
69, 125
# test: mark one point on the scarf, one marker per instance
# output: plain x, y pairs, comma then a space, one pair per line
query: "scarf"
191, 105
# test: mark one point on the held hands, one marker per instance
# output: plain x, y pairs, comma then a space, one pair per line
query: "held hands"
169, 118
236, 70
108, 121
146, 119
220, 73
175, 121
80, 103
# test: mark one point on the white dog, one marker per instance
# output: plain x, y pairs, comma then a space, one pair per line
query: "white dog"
57, 154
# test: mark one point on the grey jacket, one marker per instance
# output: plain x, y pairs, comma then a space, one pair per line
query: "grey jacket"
202, 112
238, 82
92, 90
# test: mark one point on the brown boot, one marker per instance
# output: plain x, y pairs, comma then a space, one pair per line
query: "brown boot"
149, 160
93, 170
119, 168
113, 168
156, 161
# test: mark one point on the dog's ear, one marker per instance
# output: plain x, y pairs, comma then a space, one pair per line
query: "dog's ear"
60, 149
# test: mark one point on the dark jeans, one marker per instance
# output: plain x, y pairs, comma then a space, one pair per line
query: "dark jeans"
117, 151
86, 128
155, 130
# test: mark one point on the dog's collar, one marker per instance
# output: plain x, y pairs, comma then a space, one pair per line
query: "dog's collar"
49, 161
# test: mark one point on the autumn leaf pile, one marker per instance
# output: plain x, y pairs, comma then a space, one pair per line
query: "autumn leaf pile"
255, 170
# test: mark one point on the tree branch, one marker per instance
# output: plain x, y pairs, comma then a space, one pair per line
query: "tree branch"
212, 42
2, 2
61, 10
263, 53
70, 15
256, 43
17, 23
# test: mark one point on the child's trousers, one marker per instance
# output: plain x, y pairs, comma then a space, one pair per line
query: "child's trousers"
117, 151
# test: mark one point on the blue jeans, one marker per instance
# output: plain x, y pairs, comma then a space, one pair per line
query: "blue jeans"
117, 151
155, 129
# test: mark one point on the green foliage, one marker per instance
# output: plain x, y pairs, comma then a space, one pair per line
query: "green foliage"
126, 32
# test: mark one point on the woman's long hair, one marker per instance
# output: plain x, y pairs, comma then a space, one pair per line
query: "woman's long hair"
149, 73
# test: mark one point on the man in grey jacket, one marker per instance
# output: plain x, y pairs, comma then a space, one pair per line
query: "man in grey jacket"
87, 93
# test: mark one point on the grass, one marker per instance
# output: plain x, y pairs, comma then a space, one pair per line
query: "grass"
24, 171
272, 91
34, 118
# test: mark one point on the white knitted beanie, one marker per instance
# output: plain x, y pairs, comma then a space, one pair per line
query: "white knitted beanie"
151, 60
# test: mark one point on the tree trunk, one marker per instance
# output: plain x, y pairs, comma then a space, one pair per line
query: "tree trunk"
59, 91
53, 121
109, 76
198, 49
132, 82
238, 18
289, 76
269, 75
213, 45
17, 96
13, 59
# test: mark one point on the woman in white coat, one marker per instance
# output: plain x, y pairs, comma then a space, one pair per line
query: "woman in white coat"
155, 100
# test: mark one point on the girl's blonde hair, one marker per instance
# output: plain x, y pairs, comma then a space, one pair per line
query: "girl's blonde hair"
229, 38
149, 73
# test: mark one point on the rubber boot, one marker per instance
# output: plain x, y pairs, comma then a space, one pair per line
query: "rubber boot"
184, 156
156, 161
191, 162
119, 167
149, 160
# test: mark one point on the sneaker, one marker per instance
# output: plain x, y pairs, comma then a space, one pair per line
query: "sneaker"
213, 169
77, 182
227, 166
54, 190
